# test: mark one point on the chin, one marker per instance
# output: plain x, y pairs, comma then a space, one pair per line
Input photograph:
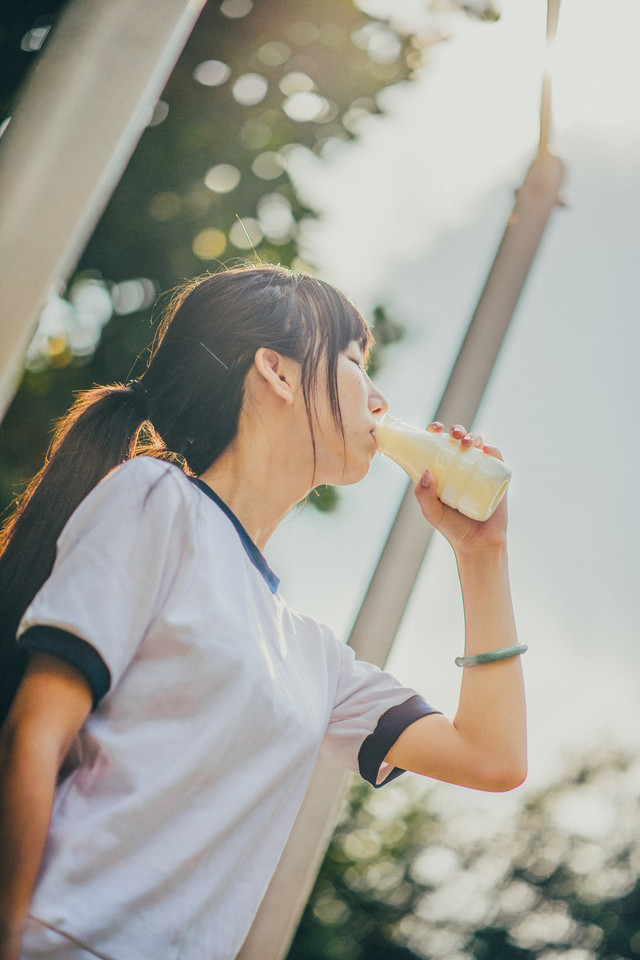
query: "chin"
352, 475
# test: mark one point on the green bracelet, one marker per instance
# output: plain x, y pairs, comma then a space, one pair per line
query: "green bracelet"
492, 656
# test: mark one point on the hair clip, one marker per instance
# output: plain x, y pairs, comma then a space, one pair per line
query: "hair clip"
138, 387
213, 355
141, 393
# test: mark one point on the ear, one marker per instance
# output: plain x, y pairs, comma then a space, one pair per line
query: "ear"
277, 373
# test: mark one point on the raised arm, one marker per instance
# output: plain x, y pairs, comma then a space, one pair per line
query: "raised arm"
50, 707
485, 745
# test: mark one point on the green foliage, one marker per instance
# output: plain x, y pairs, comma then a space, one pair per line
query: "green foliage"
172, 215
411, 875
324, 498
386, 331
297, 59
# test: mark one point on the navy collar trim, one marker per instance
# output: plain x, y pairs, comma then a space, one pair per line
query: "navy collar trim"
259, 562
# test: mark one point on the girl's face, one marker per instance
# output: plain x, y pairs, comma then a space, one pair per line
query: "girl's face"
343, 460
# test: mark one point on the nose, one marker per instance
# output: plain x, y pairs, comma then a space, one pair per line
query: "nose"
377, 402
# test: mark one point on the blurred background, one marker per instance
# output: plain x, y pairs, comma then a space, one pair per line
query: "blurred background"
380, 144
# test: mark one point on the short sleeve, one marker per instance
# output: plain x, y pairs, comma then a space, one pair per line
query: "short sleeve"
116, 561
370, 711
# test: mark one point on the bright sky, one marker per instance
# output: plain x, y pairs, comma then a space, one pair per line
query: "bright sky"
411, 216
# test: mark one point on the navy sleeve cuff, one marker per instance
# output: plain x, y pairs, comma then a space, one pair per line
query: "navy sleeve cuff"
73, 650
390, 725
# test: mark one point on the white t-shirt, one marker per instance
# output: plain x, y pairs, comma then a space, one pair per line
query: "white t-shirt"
213, 700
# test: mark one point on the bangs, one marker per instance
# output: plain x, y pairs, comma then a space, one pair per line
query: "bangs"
352, 326
332, 322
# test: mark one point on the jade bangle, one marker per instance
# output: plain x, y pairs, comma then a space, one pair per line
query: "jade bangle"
492, 656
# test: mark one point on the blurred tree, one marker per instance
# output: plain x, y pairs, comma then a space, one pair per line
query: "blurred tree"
208, 182
409, 874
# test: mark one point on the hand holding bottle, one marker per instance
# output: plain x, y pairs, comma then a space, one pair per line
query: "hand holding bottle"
468, 477
463, 533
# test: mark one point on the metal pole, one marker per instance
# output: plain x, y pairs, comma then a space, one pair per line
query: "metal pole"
393, 580
78, 120
400, 562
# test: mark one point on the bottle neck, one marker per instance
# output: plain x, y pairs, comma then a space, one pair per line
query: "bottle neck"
412, 449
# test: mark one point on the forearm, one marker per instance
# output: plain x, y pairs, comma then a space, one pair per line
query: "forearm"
47, 713
29, 770
491, 710
485, 745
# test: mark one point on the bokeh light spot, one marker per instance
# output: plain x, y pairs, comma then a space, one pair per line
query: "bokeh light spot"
223, 178
246, 233
274, 53
159, 114
383, 45
268, 165
296, 82
305, 106
209, 244
276, 218
249, 89
92, 301
70, 328
130, 296
236, 8
212, 73
330, 910
165, 205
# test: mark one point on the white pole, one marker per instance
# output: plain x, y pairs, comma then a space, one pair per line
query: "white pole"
400, 562
398, 567
77, 122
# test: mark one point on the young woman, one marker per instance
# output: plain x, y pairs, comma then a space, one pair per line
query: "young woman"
172, 706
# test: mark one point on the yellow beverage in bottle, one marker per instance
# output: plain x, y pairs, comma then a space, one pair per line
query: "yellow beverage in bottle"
467, 478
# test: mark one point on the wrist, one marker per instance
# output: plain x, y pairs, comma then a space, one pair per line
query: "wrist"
482, 554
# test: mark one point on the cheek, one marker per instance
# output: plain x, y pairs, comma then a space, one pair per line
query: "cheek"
351, 383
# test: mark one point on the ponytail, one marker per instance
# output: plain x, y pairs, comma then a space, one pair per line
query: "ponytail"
190, 401
98, 433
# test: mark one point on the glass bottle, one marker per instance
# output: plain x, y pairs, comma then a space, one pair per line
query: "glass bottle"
467, 478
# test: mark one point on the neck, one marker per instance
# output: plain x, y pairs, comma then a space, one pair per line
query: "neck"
254, 478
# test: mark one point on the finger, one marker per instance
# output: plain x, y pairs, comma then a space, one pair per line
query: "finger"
472, 440
435, 427
433, 509
426, 488
492, 451
457, 432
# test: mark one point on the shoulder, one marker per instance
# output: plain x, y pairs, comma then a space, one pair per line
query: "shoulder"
142, 472
147, 479
140, 490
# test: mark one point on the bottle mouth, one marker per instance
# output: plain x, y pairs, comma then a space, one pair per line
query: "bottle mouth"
380, 429
492, 470
498, 497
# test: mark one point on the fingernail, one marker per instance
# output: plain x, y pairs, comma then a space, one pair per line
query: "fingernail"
425, 479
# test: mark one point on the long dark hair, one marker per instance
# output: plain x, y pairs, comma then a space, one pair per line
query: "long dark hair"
188, 410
